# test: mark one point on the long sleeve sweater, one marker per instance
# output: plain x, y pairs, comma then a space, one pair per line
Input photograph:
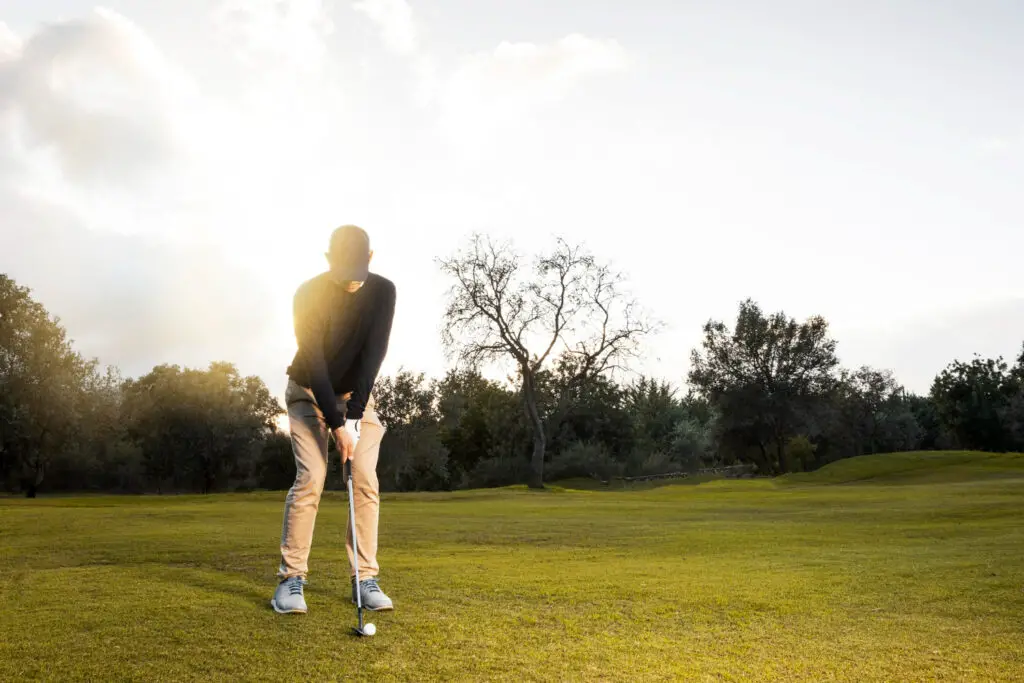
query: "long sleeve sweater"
342, 340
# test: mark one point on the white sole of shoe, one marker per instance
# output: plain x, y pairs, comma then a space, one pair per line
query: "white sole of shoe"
377, 609
273, 603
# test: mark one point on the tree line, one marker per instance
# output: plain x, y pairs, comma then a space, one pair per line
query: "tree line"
767, 391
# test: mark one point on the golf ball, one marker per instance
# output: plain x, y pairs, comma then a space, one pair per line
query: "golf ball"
369, 629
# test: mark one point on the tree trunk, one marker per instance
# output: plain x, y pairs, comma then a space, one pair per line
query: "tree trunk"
765, 466
779, 436
536, 480
785, 466
36, 477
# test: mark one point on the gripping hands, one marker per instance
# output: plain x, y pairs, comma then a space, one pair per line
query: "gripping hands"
345, 438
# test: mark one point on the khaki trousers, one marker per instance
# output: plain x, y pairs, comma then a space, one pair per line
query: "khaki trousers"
309, 434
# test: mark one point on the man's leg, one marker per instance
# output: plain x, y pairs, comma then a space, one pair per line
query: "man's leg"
366, 490
309, 445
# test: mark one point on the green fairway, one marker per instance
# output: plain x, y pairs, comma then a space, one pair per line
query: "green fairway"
887, 568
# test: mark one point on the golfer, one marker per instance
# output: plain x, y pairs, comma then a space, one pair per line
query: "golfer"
342, 325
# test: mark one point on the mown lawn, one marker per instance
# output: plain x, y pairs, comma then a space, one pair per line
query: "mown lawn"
885, 568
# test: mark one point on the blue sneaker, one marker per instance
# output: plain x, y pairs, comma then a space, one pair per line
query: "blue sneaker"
372, 596
288, 597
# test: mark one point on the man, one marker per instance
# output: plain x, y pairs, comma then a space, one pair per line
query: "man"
342, 324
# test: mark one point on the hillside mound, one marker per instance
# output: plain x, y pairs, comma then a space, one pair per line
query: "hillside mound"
918, 467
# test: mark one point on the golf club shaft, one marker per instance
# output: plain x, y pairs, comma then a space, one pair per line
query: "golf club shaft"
355, 546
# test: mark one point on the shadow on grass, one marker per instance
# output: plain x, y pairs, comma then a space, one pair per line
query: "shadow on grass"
232, 584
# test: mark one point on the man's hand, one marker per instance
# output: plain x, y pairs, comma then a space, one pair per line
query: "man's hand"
346, 437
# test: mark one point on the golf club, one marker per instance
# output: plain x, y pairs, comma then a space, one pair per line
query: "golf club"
361, 629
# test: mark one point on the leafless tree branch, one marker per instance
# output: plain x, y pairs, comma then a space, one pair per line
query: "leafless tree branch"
495, 310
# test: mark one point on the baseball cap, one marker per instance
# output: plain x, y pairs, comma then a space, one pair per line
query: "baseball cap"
350, 253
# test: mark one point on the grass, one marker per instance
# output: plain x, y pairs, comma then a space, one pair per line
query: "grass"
882, 568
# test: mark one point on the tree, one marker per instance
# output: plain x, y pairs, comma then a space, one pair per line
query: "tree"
972, 401
1013, 411
413, 456
43, 386
877, 413
276, 469
480, 419
1013, 419
655, 412
500, 309
868, 393
101, 457
585, 407
764, 379
867, 411
669, 433
404, 399
1017, 371
931, 434
199, 428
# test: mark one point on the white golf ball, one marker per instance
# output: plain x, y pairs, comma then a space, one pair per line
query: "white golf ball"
369, 629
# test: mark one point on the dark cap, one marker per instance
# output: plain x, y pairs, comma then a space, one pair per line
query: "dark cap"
349, 254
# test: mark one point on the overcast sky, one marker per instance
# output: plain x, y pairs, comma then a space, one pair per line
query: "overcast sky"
170, 172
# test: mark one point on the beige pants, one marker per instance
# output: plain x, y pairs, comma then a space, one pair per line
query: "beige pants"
309, 434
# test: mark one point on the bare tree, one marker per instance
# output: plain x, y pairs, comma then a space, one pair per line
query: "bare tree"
500, 309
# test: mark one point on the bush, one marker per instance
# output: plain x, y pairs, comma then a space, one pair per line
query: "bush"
277, 463
692, 444
114, 465
584, 460
119, 468
426, 470
412, 458
800, 454
498, 471
659, 463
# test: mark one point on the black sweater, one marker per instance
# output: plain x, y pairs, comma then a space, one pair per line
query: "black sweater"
343, 338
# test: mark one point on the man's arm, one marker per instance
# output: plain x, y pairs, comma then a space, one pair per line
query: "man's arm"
372, 355
310, 327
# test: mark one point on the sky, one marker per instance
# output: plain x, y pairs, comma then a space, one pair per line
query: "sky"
171, 172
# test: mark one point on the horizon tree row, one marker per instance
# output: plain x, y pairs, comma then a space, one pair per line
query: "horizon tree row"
767, 391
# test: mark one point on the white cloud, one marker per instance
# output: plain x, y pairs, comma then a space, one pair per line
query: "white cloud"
286, 35
93, 98
401, 34
491, 91
10, 43
89, 109
160, 221
1001, 144
95, 119
167, 221
427, 78
394, 19
135, 300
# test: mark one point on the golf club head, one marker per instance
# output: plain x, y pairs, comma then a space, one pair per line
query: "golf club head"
366, 631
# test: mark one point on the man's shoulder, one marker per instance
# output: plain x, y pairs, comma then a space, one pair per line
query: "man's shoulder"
381, 283
313, 286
